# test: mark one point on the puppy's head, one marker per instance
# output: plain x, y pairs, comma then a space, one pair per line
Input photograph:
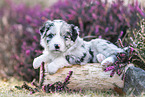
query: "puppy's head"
57, 36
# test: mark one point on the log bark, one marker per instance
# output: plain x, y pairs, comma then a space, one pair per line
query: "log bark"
89, 76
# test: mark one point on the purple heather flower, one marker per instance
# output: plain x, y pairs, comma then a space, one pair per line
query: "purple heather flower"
38, 51
28, 52
112, 73
107, 29
28, 18
31, 92
50, 85
120, 42
100, 36
109, 68
122, 55
97, 29
119, 72
94, 15
131, 50
118, 58
70, 72
35, 38
123, 76
44, 88
121, 34
32, 83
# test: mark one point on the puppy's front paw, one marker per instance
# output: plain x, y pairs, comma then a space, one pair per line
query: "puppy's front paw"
52, 68
73, 59
100, 57
36, 63
108, 61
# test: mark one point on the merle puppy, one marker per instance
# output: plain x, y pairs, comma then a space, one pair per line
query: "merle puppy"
63, 47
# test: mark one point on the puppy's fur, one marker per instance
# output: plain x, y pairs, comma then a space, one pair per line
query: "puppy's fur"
63, 47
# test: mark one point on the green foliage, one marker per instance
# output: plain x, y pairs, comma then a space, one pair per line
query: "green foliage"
136, 39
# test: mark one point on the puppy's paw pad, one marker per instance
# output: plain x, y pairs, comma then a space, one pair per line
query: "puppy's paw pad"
100, 57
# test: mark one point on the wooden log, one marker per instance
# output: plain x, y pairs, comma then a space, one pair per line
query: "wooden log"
89, 76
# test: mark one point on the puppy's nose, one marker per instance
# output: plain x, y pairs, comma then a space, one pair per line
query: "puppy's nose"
57, 46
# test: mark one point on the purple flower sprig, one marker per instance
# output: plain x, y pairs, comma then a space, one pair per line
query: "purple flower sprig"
42, 70
58, 86
67, 79
27, 87
50, 88
33, 83
122, 60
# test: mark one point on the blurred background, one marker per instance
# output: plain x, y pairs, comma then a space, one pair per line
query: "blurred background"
44, 3
109, 19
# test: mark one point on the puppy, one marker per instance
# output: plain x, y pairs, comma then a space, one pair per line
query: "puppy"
63, 47
60, 40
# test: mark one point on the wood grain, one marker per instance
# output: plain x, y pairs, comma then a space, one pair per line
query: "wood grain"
89, 76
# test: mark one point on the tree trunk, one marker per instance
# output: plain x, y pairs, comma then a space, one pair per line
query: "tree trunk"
89, 76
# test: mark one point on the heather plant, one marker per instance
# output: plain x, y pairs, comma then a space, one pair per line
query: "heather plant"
122, 60
20, 38
98, 18
20, 27
136, 39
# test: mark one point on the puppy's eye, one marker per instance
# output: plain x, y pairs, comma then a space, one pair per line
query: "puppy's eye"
65, 37
50, 35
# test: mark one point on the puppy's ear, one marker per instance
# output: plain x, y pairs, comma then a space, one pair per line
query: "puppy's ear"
75, 32
46, 26
42, 29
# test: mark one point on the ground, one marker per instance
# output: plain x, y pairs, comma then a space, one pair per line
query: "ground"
7, 89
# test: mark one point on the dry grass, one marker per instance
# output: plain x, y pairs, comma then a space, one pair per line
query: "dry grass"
7, 89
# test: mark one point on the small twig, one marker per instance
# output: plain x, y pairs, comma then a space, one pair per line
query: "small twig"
140, 55
86, 37
25, 86
33, 83
67, 78
120, 42
42, 74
